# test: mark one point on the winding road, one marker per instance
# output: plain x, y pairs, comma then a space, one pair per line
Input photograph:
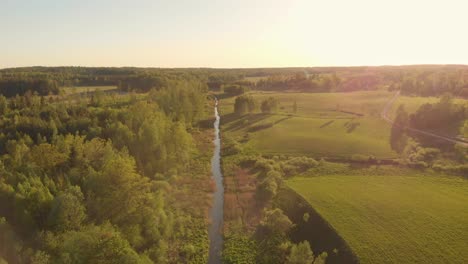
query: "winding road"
385, 116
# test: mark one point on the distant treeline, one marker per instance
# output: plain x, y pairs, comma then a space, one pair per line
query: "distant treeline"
422, 80
48, 80
12, 87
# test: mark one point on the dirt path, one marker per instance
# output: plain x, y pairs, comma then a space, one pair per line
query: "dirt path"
385, 116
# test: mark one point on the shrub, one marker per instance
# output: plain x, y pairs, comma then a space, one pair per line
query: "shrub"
298, 165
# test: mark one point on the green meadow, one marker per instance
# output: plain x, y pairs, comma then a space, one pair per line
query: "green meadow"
325, 124
393, 217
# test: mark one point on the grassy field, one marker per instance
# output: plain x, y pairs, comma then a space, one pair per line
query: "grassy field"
319, 137
325, 124
322, 104
391, 218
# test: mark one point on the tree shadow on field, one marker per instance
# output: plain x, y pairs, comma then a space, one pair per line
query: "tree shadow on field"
235, 122
265, 126
228, 118
327, 123
351, 126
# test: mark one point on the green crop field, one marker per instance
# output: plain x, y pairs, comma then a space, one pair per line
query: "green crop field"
393, 217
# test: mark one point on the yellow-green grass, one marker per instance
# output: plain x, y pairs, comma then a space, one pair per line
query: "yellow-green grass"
320, 127
394, 218
323, 137
367, 103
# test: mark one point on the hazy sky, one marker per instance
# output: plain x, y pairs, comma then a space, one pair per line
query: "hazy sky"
237, 33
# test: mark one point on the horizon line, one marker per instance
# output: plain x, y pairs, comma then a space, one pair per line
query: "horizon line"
237, 68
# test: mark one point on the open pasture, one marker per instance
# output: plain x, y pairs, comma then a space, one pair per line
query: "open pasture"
325, 124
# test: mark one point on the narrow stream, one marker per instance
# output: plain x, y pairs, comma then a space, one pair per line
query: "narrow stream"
215, 232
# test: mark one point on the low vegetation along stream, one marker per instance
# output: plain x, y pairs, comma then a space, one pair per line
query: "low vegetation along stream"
215, 234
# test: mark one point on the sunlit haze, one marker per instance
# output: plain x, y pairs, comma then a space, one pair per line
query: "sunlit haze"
243, 33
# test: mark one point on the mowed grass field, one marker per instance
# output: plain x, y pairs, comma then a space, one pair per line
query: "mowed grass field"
323, 137
325, 124
322, 104
394, 218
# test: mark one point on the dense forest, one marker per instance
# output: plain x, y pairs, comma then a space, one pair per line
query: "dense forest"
102, 179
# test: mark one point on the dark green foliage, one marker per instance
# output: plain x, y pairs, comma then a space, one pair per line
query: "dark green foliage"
270, 105
10, 244
230, 146
3, 105
300, 82
416, 155
398, 136
12, 87
77, 178
266, 190
296, 165
234, 89
182, 101
244, 104
275, 221
440, 117
301, 254
67, 210
94, 244
143, 83
239, 248
464, 129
